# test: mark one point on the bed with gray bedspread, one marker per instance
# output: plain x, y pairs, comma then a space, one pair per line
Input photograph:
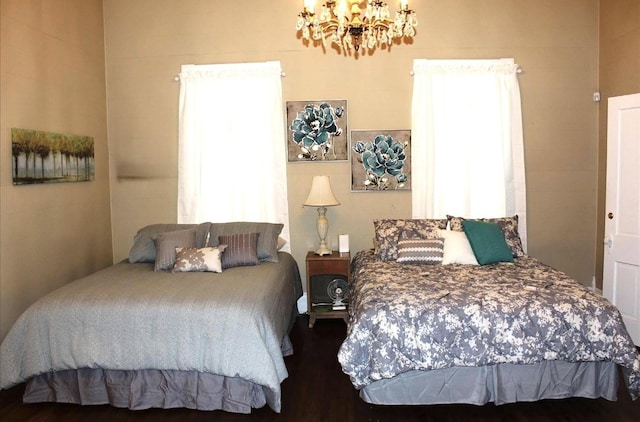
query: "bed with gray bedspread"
133, 337
498, 333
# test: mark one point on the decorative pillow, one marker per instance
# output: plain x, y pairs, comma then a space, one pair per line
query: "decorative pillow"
199, 259
267, 239
242, 249
508, 225
166, 244
457, 249
388, 233
143, 249
487, 242
420, 251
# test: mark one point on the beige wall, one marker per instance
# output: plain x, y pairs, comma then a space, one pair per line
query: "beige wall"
52, 79
556, 44
619, 75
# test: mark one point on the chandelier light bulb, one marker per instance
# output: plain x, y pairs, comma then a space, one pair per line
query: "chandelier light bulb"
309, 5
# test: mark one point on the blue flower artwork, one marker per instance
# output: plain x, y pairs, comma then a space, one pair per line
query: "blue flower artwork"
380, 160
317, 130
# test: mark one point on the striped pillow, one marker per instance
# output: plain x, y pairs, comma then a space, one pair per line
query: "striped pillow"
267, 236
420, 251
166, 244
242, 249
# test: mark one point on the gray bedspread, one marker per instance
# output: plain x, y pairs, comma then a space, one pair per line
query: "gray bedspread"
129, 317
425, 317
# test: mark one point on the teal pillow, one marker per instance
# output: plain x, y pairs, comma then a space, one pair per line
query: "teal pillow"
487, 242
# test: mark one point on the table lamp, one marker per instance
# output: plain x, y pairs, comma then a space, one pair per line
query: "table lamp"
321, 196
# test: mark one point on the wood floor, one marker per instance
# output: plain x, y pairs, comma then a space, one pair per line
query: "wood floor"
317, 390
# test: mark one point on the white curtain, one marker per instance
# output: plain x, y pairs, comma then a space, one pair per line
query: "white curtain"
467, 147
232, 158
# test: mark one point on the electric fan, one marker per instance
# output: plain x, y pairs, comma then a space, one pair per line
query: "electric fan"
338, 291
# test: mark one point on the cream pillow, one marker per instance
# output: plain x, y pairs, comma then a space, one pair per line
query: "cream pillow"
457, 249
281, 243
199, 259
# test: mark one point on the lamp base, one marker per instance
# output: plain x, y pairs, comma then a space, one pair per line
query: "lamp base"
323, 251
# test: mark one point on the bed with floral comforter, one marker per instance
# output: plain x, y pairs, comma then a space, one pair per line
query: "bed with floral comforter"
413, 320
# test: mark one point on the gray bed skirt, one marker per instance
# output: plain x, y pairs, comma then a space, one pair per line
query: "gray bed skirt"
500, 384
151, 388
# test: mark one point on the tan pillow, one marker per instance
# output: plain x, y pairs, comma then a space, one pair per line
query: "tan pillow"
420, 251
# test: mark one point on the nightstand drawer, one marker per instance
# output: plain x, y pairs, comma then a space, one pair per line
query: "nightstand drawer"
328, 267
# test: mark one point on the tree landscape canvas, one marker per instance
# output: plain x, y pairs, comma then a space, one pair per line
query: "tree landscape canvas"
47, 157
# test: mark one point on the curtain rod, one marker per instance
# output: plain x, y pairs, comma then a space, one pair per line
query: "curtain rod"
177, 77
518, 71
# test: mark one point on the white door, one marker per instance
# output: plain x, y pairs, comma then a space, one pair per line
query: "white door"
621, 277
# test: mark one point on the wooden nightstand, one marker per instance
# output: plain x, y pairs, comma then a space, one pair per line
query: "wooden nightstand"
321, 270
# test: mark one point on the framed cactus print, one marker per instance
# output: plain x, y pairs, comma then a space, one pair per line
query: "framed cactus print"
317, 131
380, 160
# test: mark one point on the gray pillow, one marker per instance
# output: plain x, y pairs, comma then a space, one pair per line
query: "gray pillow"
166, 244
241, 249
267, 236
143, 249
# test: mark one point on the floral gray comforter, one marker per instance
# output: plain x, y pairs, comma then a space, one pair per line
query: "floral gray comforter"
408, 317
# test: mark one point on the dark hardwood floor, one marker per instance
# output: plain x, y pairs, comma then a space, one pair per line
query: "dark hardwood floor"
317, 390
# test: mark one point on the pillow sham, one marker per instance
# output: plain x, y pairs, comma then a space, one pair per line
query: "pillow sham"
143, 249
457, 249
508, 225
166, 244
388, 231
267, 236
420, 251
241, 250
487, 241
207, 259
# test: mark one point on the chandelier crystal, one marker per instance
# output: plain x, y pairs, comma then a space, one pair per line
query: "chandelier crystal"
368, 29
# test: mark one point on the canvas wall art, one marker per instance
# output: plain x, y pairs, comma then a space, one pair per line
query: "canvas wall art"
317, 131
46, 157
380, 160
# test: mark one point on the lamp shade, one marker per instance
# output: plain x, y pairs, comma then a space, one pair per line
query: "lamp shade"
321, 194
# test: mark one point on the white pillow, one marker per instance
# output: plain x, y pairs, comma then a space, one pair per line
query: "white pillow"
281, 243
457, 249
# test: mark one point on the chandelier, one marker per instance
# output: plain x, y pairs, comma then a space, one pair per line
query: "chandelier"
370, 29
